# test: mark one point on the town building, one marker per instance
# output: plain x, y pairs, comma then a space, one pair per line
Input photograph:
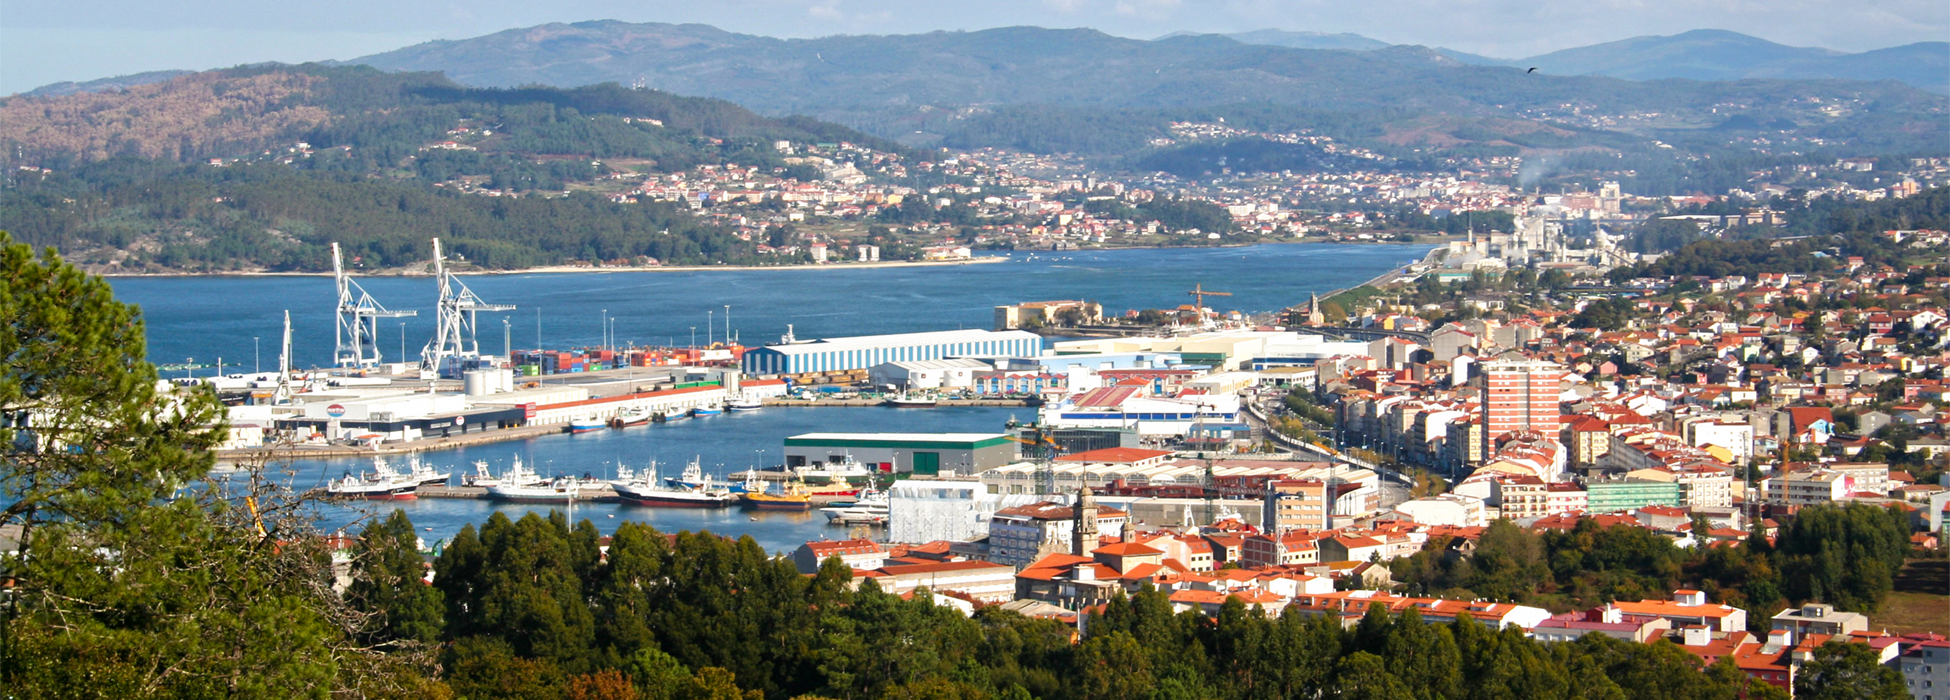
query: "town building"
862, 352
923, 454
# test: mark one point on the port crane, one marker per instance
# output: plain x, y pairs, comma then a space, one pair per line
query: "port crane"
454, 339
357, 334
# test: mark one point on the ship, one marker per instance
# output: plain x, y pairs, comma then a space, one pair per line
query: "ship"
559, 490
517, 475
643, 490
744, 403
672, 414
380, 484
702, 411
693, 478
834, 472
629, 417
586, 425
905, 401
790, 497
425, 475
871, 508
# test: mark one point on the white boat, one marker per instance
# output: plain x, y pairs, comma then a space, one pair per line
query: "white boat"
644, 490
846, 468
675, 414
560, 490
382, 484
905, 401
425, 475
871, 507
517, 475
706, 411
743, 403
356, 486
585, 425
630, 416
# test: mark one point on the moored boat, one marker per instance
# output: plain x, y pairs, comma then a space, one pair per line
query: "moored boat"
590, 424
644, 490
905, 401
560, 490
629, 417
425, 475
871, 508
830, 472
702, 411
792, 497
743, 403
377, 489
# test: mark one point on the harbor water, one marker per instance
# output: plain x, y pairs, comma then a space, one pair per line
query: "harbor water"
201, 319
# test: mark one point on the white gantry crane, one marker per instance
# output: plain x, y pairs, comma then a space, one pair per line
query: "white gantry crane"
454, 339
358, 326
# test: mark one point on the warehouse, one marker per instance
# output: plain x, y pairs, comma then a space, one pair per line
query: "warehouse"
862, 352
958, 373
926, 454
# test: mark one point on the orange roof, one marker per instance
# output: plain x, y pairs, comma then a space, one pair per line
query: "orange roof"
1667, 608
1126, 549
1115, 454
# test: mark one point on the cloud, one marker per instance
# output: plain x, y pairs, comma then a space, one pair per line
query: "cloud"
830, 9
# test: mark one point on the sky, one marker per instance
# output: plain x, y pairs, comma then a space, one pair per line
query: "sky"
45, 41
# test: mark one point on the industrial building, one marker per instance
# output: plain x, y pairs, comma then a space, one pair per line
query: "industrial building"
1226, 350
924, 454
862, 352
957, 373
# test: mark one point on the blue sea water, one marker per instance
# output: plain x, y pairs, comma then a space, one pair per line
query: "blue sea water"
206, 318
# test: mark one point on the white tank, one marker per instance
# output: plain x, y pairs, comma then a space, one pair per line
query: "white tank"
479, 382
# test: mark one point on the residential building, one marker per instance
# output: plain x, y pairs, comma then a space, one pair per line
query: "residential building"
1519, 395
1296, 504
859, 553
1819, 618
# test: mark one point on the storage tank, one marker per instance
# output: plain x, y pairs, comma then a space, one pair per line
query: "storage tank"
479, 382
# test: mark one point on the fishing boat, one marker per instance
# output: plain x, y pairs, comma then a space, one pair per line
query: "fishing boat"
703, 411
791, 497
829, 472
629, 417
560, 490
675, 414
517, 475
425, 475
585, 425
744, 403
644, 490
905, 401
359, 486
693, 477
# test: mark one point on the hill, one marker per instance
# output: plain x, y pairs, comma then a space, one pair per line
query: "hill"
1704, 54
1300, 40
935, 87
260, 168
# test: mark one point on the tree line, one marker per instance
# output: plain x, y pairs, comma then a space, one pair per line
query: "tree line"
1847, 556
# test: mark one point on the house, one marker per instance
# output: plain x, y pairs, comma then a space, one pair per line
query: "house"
1819, 618
856, 553
1609, 621
982, 581
1689, 607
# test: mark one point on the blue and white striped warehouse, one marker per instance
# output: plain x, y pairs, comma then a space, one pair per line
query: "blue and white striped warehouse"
862, 352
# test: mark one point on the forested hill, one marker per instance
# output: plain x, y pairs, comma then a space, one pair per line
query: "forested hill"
262, 167
917, 85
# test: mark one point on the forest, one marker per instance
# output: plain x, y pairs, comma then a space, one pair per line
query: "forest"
270, 216
142, 197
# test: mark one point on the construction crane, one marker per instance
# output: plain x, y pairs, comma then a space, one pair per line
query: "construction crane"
1043, 449
1198, 295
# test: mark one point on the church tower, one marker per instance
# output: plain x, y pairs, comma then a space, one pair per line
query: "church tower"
1314, 317
1083, 533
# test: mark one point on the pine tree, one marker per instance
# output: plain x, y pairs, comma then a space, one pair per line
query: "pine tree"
388, 582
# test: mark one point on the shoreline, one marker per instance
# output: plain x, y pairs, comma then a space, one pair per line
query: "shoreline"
563, 269
559, 269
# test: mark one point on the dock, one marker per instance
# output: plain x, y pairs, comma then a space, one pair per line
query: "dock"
858, 403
